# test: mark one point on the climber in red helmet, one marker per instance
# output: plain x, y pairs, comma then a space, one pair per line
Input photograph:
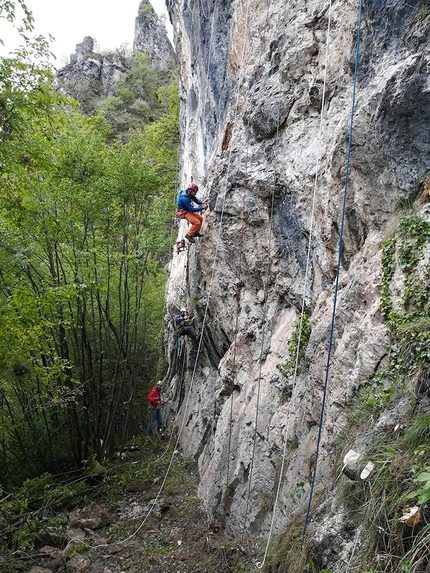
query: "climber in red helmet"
186, 210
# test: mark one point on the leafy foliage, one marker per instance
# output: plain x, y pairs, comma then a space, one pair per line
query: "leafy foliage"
297, 344
409, 320
146, 10
135, 100
84, 239
26, 98
422, 493
81, 271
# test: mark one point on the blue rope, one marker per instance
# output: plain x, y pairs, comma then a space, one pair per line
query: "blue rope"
357, 52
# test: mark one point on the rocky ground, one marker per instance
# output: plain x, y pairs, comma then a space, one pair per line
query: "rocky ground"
144, 516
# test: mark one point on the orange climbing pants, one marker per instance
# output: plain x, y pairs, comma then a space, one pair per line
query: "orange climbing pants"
195, 221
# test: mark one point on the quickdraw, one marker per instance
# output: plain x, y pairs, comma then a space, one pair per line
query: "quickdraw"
180, 246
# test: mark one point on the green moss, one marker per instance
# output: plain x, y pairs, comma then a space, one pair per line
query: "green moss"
146, 10
409, 320
299, 337
266, 502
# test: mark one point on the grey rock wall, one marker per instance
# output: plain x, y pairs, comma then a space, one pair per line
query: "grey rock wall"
89, 73
150, 37
266, 92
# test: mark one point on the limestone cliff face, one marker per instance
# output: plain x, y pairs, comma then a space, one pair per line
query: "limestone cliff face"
266, 91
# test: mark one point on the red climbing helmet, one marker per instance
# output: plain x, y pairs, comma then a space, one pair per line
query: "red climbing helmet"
192, 187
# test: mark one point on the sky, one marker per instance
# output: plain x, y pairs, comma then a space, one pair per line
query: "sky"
109, 22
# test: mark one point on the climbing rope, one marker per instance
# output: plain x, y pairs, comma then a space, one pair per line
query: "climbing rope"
260, 565
263, 339
218, 242
205, 315
357, 53
236, 325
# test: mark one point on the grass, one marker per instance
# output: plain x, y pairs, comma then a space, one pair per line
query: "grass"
286, 555
418, 433
423, 12
378, 502
266, 502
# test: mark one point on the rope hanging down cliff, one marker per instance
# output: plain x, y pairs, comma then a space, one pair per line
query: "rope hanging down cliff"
179, 433
266, 288
357, 53
305, 283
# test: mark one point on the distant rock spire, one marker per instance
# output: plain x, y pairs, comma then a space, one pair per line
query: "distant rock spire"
83, 50
150, 37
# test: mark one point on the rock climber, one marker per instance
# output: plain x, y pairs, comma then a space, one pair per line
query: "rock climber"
185, 326
154, 404
186, 210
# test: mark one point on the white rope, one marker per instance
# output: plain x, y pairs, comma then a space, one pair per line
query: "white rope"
185, 408
218, 242
260, 565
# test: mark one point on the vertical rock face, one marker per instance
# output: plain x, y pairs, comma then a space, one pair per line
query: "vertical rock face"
266, 90
150, 37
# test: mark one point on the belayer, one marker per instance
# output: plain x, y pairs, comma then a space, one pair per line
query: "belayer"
154, 404
186, 210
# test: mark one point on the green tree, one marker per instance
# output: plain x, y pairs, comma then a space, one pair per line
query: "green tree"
26, 98
136, 100
162, 137
88, 292
84, 241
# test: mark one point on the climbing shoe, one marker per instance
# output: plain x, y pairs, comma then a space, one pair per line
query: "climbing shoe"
197, 235
191, 239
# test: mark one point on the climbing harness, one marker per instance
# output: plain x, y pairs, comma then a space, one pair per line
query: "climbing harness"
180, 246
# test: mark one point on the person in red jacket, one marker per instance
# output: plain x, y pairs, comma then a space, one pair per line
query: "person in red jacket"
154, 403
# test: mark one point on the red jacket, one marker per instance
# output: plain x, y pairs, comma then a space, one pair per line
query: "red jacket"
154, 397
